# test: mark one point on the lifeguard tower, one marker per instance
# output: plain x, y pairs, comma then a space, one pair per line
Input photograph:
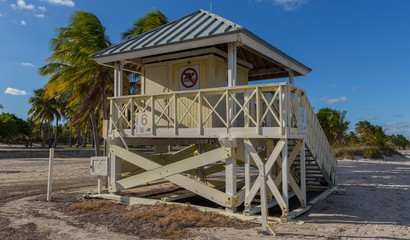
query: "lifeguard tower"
195, 92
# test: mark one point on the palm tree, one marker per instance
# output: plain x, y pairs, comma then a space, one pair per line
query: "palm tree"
75, 74
150, 21
42, 109
1, 106
333, 124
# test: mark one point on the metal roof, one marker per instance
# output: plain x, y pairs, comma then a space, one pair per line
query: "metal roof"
196, 26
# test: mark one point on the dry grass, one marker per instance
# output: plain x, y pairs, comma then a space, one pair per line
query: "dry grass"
168, 221
175, 221
92, 205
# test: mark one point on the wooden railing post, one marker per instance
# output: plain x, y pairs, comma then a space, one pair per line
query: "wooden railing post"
175, 115
228, 110
153, 116
246, 108
110, 125
200, 113
258, 111
132, 116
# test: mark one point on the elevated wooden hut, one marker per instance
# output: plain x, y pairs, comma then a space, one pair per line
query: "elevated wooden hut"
195, 92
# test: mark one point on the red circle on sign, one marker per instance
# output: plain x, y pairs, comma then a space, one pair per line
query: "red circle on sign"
192, 80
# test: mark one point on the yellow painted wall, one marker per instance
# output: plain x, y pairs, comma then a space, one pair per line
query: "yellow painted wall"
165, 77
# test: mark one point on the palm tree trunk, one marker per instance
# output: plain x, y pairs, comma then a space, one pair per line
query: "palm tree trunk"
70, 136
85, 137
56, 134
95, 132
78, 137
43, 129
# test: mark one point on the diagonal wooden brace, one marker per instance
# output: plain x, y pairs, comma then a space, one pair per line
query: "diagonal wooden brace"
192, 185
258, 161
292, 181
171, 169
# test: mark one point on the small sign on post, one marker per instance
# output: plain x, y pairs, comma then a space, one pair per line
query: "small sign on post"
99, 167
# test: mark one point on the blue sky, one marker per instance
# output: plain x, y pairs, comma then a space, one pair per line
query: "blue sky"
359, 51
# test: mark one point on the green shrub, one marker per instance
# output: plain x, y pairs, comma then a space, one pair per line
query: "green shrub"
373, 153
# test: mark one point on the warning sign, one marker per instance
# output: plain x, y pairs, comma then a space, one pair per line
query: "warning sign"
189, 77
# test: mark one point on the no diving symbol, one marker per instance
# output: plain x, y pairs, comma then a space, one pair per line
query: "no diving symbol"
189, 77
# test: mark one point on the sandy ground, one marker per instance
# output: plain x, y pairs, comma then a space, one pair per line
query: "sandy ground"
376, 204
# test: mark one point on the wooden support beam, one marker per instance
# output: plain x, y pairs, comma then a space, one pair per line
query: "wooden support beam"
183, 153
264, 204
303, 172
171, 169
285, 179
291, 77
268, 166
232, 58
190, 184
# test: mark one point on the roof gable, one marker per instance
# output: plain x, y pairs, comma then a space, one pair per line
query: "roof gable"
197, 25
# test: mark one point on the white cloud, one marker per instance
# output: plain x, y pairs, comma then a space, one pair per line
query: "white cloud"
368, 109
68, 3
27, 64
14, 6
3, 14
13, 91
23, 22
40, 15
21, 4
42, 9
353, 89
336, 100
290, 5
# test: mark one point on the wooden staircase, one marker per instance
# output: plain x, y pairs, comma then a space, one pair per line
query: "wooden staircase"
321, 164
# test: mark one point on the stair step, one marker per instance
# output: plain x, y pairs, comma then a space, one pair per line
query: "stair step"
315, 175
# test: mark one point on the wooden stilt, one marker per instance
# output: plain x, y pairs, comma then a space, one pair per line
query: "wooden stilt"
285, 179
230, 179
303, 173
264, 205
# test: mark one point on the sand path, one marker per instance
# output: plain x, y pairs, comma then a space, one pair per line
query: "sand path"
376, 204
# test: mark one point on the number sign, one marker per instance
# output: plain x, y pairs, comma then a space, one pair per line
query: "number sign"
142, 123
189, 77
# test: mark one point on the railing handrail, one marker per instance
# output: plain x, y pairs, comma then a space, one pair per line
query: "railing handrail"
207, 90
325, 156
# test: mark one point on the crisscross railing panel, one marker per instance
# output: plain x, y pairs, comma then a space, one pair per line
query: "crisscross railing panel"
251, 106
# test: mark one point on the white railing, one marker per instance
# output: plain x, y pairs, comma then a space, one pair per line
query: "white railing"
254, 107
251, 111
319, 145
